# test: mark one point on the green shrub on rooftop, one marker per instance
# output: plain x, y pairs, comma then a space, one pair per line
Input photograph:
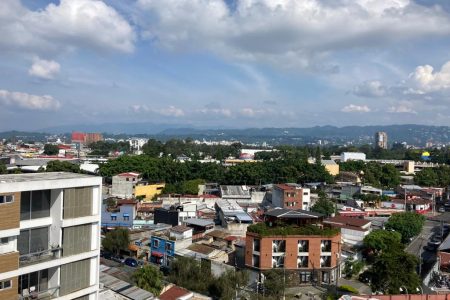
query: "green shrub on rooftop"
264, 230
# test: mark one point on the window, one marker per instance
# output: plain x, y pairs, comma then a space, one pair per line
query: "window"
278, 245
278, 261
255, 262
325, 261
33, 240
155, 243
4, 241
303, 246
113, 217
325, 246
302, 261
126, 217
74, 276
305, 277
256, 245
5, 284
305, 193
168, 246
6, 199
37, 281
34, 205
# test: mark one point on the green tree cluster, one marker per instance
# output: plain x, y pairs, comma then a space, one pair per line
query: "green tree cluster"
383, 240
149, 278
50, 149
439, 176
168, 170
196, 276
116, 240
104, 148
324, 205
3, 169
408, 224
189, 187
382, 176
62, 166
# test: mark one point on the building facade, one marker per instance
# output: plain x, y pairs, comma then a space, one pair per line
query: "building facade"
310, 254
381, 140
291, 196
50, 236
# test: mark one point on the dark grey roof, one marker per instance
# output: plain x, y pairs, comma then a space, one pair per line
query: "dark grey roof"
291, 213
199, 222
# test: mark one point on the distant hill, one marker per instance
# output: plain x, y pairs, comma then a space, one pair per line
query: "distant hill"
411, 134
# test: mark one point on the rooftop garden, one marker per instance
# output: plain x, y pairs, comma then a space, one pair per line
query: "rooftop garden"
284, 230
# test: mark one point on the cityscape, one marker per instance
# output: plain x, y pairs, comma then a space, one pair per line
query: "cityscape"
224, 149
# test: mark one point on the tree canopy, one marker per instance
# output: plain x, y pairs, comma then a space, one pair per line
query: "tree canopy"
116, 240
383, 240
324, 205
150, 279
382, 176
50, 149
408, 224
62, 166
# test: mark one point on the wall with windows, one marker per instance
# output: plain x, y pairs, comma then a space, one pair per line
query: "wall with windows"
8, 288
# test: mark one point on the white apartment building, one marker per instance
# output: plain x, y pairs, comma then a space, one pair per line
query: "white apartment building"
49, 236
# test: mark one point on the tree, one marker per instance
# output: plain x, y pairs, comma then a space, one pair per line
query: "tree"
116, 240
149, 278
50, 149
408, 224
62, 166
427, 177
324, 205
3, 169
274, 283
225, 286
394, 269
383, 240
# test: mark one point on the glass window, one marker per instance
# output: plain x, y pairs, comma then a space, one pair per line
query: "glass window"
4, 241
278, 245
302, 262
256, 245
5, 284
23, 242
155, 243
168, 246
325, 246
278, 261
255, 261
25, 205
325, 261
6, 199
40, 204
305, 277
32, 240
113, 218
303, 246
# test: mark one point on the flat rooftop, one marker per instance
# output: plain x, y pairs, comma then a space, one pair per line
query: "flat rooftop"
11, 178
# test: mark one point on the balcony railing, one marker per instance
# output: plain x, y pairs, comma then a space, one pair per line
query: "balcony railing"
40, 256
51, 293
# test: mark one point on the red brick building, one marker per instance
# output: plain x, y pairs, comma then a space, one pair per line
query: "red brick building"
297, 241
291, 196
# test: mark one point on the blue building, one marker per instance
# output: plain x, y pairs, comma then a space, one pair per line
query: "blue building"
163, 245
161, 249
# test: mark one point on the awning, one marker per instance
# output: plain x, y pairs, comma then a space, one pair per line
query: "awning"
157, 254
132, 247
126, 215
114, 215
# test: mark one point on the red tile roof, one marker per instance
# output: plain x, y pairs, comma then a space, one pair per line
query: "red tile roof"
174, 293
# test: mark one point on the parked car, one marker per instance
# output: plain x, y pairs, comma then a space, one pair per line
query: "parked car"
118, 258
430, 248
434, 242
107, 255
441, 209
131, 262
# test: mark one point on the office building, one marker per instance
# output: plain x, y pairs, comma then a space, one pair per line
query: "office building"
381, 140
346, 156
50, 236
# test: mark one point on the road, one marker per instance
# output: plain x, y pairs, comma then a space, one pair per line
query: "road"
416, 247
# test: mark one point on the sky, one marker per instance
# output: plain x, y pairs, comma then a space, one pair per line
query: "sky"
224, 63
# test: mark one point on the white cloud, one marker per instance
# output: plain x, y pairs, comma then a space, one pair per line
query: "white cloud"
285, 32
215, 111
42, 68
426, 79
404, 107
370, 89
170, 111
27, 101
71, 24
355, 108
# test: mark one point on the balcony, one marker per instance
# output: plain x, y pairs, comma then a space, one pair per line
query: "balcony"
40, 256
48, 294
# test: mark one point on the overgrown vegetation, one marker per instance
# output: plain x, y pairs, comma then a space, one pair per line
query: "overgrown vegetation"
116, 240
284, 230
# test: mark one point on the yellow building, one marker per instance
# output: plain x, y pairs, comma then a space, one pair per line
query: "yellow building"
148, 190
331, 166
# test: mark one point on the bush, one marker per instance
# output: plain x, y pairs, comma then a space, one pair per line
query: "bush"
349, 289
263, 230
